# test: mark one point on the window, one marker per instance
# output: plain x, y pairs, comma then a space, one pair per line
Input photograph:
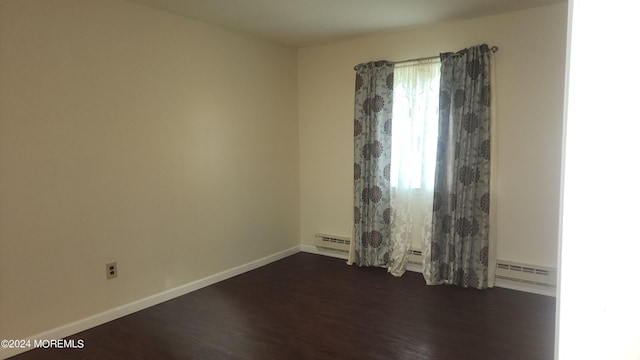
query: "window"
415, 124
414, 141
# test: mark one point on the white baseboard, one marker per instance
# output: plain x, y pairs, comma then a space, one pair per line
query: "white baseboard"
319, 251
512, 285
525, 287
126, 309
343, 255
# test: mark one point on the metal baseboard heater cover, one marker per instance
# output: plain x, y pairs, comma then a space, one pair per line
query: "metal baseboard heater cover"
333, 242
342, 243
415, 257
505, 270
530, 274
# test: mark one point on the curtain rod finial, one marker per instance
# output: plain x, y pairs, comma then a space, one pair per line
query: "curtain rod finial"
494, 49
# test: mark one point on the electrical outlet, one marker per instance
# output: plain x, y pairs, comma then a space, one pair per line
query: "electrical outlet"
112, 270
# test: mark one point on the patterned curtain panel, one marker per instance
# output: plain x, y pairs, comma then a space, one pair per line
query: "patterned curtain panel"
459, 246
372, 157
413, 156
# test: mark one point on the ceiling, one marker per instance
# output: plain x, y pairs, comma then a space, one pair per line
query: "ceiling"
301, 23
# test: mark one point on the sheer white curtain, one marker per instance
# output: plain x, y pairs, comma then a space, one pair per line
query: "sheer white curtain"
413, 157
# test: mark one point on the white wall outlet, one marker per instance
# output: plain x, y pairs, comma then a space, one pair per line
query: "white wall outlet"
112, 270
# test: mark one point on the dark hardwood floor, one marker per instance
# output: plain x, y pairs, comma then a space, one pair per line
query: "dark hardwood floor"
314, 307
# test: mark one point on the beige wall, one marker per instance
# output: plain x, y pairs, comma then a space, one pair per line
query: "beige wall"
132, 135
530, 83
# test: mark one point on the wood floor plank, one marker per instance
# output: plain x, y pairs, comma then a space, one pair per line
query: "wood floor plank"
314, 307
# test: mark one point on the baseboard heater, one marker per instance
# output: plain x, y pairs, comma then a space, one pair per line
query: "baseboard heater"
415, 257
333, 242
529, 274
342, 243
505, 270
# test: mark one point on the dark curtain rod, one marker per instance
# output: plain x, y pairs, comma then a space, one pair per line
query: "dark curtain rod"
493, 49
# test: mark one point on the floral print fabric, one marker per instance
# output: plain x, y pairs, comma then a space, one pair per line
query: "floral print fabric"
458, 251
372, 163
